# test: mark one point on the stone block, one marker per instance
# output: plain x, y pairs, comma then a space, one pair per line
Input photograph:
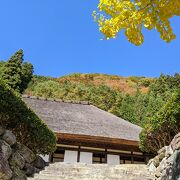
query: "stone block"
16, 160
26, 153
9, 137
2, 130
39, 163
175, 143
5, 149
18, 174
176, 165
156, 161
30, 170
162, 150
151, 167
5, 171
169, 151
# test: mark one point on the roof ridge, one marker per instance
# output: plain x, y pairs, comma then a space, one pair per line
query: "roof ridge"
56, 100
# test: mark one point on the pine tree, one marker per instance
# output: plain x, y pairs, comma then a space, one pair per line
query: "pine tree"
17, 74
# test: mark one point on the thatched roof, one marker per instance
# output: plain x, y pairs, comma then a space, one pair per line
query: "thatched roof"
81, 118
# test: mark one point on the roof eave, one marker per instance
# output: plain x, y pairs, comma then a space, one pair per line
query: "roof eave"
114, 142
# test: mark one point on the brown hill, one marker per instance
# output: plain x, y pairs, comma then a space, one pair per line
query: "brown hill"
124, 84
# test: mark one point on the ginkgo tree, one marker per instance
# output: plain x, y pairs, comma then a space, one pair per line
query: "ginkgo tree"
131, 16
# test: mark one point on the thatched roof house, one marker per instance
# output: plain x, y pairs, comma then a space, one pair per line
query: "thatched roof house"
84, 125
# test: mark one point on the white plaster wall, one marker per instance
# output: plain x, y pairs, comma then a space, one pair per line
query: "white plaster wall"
113, 159
70, 156
86, 157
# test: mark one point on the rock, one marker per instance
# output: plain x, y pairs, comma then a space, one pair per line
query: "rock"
39, 163
16, 160
26, 153
166, 165
151, 167
18, 174
158, 172
175, 143
163, 164
162, 150
5, 171
161, 156
9, 137
167, 173
156, 161
176, 165
169, 151
170, 160
5, 149
2, 130
30, 170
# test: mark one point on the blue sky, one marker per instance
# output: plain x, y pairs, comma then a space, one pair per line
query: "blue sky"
60, 37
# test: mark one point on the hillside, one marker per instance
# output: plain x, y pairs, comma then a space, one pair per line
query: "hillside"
124, 84
127, 85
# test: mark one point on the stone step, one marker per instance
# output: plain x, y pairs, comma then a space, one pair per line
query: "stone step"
73, 172
95, 177
79, 171
92, 178
64, 167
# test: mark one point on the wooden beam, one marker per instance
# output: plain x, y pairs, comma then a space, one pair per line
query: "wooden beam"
96, 141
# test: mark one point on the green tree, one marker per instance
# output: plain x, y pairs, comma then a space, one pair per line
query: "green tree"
13, 70
48, 89
127, 108
102, 96
163, 126
17, 74
165, 83
27, 74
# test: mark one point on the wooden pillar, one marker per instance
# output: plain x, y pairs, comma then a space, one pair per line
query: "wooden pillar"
132, 158
106, 156
78, 156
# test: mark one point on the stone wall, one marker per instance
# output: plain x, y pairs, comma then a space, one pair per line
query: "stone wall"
166, 165
17, 162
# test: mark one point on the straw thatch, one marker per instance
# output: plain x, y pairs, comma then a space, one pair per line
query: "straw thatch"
81, 118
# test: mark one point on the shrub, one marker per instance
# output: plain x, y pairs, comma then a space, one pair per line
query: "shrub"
28, 127
47, 89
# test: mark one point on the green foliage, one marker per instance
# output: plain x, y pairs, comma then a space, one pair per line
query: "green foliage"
27, 74
146, 82
163, 126
2, 63
16, 73
27, 126
126, 109
13, 71
47, 89
165, 83
101, 96
134, 79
